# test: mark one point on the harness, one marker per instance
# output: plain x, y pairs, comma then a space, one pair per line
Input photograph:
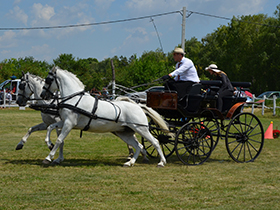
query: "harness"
92, 116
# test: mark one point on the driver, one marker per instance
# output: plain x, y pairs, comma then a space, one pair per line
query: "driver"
185, 71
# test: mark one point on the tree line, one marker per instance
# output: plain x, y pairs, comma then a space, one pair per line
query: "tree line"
247, 49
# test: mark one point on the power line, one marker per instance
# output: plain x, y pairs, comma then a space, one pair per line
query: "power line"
131, 19
89, 24
225, 18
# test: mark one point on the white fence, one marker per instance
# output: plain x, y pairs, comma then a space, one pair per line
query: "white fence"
263, 106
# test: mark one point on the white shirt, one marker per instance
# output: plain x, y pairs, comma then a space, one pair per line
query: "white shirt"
185, 71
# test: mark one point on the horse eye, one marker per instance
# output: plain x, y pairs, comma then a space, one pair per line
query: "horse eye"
21, 86
49, 80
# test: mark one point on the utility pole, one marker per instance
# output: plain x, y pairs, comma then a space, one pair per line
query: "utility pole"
183, 28
113, 79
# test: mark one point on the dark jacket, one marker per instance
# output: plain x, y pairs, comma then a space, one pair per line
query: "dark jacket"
226, 84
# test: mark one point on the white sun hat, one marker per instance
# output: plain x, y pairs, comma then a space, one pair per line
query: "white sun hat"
213, 67
179, 51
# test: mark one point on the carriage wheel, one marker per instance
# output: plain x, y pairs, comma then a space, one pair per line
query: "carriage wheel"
193, 143
244, 138
207, 118
166, 142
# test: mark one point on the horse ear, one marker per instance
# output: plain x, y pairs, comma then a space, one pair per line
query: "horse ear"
23, 74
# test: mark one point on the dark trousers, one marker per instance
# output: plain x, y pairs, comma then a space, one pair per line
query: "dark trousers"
182, 87
220, 98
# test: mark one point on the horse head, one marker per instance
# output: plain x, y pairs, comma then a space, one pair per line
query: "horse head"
25, 90
51, 85
58, 79
29, 85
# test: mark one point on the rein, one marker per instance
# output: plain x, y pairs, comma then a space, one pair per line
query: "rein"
91, 115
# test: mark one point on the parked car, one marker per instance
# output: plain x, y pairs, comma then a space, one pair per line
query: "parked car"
141, 97
269, 94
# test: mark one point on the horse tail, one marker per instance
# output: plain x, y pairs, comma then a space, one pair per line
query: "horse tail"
125, 98
156, 118
151, 113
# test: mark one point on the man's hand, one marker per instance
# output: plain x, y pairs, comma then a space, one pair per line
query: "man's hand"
165, 77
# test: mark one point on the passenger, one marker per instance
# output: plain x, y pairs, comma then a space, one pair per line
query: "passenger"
9, 96
14, 88
226, 89
185, 71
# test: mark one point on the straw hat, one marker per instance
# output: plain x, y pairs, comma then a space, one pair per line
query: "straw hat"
213, 67
179, 51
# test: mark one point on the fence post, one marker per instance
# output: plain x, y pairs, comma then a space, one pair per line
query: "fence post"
4, 98
274, 105
253, 104
113, 79
263, 104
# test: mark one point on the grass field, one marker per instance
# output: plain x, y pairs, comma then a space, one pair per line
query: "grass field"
92, 176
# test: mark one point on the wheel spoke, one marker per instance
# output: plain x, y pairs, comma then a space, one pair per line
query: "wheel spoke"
249, 150
249, 144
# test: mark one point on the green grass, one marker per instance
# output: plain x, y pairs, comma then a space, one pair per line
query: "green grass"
92, 176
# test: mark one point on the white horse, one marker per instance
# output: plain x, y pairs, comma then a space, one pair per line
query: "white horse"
32, 84
79, 110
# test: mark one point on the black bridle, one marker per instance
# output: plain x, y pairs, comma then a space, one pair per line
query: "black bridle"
22, 85
49, 80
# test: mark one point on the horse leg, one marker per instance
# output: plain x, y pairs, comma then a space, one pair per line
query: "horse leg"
143, 152
39, 127
66, 128
129, 138
60, 157
130, 152
145, 133
49, 130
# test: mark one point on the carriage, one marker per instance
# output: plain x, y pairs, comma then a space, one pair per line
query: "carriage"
195, 125
198, 126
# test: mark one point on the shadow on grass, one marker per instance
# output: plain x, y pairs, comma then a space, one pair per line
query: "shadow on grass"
70, 162
81, 162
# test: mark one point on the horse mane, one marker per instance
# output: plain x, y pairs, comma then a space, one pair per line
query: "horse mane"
35, 77
73, 76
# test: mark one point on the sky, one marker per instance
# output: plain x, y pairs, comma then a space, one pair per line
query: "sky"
130, 34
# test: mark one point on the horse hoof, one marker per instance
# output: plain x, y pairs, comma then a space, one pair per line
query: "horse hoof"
51, 146
46, 162
160, 165
127, 164
19, 146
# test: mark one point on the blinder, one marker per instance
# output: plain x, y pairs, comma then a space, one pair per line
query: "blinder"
22, 86
49, 80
